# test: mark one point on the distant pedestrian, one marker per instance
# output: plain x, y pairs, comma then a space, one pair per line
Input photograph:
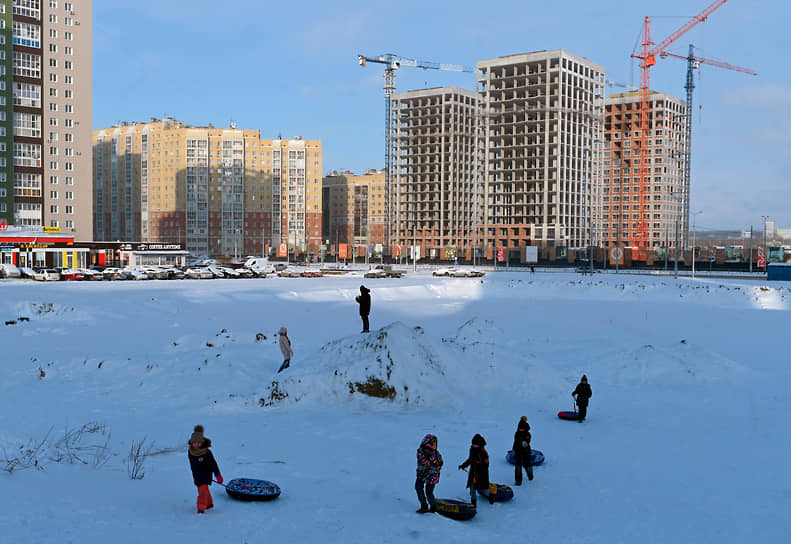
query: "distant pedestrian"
285, 348
478, 478
532, 269
582, 395
429, 463
522, 451
203, 466
364, 300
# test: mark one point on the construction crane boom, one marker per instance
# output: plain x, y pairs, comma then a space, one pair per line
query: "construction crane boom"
647, 57
693, 63
392, 63
701, 60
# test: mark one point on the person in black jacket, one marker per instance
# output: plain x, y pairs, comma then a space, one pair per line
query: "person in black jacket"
203, 465
522, 450
364, 300
478, 478
582, 395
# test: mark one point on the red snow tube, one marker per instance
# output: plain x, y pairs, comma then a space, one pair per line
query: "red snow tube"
569, 415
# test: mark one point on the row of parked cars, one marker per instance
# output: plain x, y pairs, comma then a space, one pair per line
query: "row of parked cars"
453, 272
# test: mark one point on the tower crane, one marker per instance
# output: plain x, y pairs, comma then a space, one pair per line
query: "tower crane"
693, 63
392, 63
647, 55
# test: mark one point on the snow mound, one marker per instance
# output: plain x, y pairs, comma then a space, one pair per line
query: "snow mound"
670, 365
396, 363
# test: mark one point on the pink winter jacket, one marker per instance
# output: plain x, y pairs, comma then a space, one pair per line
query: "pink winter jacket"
285, 344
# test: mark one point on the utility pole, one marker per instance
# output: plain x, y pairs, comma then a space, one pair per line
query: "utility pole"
766, 249
694, 218
675, 265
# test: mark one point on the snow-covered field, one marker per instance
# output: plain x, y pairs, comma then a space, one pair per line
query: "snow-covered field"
686, 438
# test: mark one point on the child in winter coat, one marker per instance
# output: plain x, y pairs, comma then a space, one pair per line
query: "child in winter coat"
364, 300
582, 394
203, 466
429, 463
285, 348
522, 450
478, 478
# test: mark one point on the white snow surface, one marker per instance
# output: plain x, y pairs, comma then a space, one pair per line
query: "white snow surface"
686, 438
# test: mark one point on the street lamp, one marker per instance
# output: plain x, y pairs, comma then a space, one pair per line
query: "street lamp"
694, 217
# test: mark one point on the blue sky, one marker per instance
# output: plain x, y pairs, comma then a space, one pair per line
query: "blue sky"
291, 69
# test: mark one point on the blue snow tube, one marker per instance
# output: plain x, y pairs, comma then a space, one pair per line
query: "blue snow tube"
573, 416
500, 492
536, 457
458, 510
248, 489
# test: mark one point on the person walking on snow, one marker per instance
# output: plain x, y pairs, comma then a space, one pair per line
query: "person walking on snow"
429, 463
582, 395
364, 300
478, 478
285, 347
522, 450
203, 465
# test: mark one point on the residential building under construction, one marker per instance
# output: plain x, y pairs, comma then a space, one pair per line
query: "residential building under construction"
434, 178
215, 191
541, 121
661, 196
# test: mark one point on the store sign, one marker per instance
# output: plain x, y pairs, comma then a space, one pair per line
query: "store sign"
7, 248
500, 254
33, 246
3, 224
51, 229
149, 246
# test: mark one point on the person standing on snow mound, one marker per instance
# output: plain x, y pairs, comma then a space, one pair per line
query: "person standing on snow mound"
203, 465
582, 395
429, 463
478, 478
364, 300
285, 348
522, 450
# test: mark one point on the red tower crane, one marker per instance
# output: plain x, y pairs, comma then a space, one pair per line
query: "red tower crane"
647, 56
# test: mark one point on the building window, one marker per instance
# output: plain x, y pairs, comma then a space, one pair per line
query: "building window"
69, 195
53, 195
69, 223
27, 65
27, 124
69, 166
69, 209
53, 180
69, 180
53, 209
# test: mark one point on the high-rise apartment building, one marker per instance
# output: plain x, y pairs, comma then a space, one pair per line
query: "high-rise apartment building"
434, 182
216, 191
663, 200
541, 125
46, 114
354, 208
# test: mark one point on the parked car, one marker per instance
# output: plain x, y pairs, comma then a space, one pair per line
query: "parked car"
135, 274
245, 272
154, 272
112, 273
444, 271
288, 273
279, 267
375, 273
311, 273
70, 274
199, 273
175, 273
215, 271
90, 274
27, 273
46, 274
9, 271
229, 272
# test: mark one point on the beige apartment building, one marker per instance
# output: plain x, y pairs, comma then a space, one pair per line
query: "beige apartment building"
663, 200
434, 186
46, 115
541, 124
354, 210
215, 191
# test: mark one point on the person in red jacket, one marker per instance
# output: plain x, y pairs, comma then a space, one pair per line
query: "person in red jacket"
478, 478
203, 466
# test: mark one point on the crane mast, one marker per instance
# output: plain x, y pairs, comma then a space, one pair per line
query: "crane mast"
392, 63
647, 58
